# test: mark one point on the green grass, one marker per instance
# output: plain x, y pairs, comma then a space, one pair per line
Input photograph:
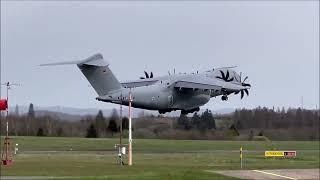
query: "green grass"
153, 158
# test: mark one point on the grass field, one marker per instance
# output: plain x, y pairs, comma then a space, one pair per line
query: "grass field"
152, 158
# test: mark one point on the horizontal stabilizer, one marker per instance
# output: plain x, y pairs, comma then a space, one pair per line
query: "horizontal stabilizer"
95, 60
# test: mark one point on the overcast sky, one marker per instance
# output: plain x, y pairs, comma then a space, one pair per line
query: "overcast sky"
275, 43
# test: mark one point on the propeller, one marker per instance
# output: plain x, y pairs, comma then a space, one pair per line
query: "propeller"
243, 91
225, 77
147, 75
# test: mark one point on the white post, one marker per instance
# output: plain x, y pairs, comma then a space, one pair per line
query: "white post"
16, 149
130, 132
7, 132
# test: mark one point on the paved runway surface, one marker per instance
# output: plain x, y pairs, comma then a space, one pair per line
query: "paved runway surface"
272, 174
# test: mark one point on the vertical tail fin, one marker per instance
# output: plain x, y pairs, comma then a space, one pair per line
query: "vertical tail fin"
97, 72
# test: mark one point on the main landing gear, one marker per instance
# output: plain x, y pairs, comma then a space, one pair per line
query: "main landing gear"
190, 111
224, 98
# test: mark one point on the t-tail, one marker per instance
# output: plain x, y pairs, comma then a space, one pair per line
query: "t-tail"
97, 72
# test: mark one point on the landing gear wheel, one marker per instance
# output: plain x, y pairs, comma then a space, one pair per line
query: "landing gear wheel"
184, 112
224, 98
162, 112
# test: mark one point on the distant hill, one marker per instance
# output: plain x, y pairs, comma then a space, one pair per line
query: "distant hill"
58, 115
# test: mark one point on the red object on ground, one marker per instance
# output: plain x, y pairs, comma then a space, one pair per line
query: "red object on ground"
3, 104
7, 156
7, 162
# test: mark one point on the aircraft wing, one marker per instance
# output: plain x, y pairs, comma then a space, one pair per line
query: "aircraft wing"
206, 83
138, 83
196, 85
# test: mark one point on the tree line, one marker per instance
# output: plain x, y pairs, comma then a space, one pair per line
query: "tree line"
293, 123
204, 121
274, 119
49, 125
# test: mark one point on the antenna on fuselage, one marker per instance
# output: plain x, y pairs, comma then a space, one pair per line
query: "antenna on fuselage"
174, 71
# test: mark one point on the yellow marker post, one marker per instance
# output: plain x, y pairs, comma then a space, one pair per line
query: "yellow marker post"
241, 157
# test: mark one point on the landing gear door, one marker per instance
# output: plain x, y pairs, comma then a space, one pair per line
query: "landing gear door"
170, 101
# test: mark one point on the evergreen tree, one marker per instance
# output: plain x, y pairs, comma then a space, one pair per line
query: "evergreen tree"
237, 120
207, 121
91, 132
60, 132
112, 127
251, 135
31, 113
195, 120
100, 122
40, 132
183, 122
298, 118
125, 123
234, 130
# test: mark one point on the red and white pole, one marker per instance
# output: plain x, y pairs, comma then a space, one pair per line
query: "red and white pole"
130, 132
6, 158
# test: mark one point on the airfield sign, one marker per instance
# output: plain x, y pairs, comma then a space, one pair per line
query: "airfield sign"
280, 153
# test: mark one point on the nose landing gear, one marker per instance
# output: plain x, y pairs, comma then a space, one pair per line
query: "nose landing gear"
224, 98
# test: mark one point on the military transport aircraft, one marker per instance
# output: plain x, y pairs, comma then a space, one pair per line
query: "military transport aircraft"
185, 92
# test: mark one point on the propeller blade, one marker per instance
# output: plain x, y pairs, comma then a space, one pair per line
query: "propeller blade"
227, 76
231, 79
222, 74
219, 77
245, 84
151, 75
246, 91
147, 75
240, 76
245, 79
142, 78
235, 76
242, 94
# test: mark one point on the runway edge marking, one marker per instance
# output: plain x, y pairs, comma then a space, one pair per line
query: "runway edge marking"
274, 174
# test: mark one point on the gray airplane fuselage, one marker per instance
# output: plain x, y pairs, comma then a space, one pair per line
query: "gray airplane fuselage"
163, 96
159, 97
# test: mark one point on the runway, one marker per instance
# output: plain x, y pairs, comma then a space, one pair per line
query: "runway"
292, 174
